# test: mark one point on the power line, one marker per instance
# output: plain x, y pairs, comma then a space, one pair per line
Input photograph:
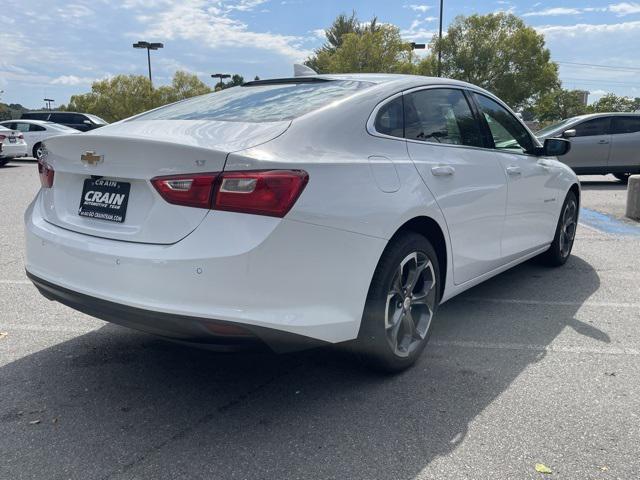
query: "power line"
606, 67
603, 82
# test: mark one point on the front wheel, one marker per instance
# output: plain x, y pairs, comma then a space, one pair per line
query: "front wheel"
560, 248
402, 300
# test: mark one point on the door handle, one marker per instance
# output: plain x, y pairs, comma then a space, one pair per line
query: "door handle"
514, 170
442, 170
603, 142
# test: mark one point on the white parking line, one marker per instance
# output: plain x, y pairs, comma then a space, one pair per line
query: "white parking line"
536, 348
523, 301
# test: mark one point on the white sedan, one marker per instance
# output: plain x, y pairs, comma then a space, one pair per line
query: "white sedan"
299, 211
36, 131
12, 145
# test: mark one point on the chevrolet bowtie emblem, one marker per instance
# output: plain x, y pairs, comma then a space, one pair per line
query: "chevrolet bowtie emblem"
91, 158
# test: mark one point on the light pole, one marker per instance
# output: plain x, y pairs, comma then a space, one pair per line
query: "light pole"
149, 46
220, 76
440, 41
49, 101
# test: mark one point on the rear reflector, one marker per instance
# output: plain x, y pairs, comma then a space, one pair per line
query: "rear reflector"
46, 173
263, 192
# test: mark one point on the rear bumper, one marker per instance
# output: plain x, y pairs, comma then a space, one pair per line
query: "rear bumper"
262, 273
177, 327
13, 150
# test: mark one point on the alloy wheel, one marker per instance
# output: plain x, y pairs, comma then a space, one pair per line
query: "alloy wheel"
410, 303
568, 227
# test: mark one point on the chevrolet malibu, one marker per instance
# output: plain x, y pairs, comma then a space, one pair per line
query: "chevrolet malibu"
298, 212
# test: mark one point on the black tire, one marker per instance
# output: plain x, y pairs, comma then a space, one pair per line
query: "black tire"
560, 249
35, 150
382, 313
623, 177
3, 162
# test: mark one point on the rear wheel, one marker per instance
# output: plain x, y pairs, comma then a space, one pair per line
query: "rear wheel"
560, 248
3, 161
623, 177
402, 300
37, 151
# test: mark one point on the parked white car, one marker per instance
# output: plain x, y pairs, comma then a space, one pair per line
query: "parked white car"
299, 211
36, 131
12, 145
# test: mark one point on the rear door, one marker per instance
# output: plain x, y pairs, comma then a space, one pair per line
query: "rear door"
446, 143
625, 143
591, 145
532, 197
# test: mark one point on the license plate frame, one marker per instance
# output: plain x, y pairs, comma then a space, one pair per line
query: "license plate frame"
104, 199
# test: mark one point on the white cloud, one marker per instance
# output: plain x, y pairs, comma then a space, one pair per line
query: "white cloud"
419, 8
213, 26
625, 8
71, 80
549, 12
588, 28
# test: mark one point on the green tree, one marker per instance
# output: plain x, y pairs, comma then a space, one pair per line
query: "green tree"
613, 103
497, 52
236, 81
125, 95
375, 49
559, 104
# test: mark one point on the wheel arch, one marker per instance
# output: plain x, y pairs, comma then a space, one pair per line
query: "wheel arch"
432, 230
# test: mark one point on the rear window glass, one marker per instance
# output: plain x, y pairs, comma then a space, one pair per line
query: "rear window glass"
259, 103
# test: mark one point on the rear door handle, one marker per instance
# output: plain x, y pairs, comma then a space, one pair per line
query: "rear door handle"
442, 170
514, 170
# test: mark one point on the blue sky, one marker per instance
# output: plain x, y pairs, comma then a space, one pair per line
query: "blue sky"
56, 48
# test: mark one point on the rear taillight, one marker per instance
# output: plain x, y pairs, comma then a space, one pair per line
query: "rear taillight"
264, 192
46, 173
187, 190
21, 137
2, 137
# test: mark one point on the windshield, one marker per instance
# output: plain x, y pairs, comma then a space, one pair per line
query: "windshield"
555, 126
258, 103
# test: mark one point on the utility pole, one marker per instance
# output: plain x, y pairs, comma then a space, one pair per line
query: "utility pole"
149, 46
49, 101
440, 41
220, 76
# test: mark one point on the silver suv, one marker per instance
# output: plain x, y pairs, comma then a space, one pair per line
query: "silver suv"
601, 143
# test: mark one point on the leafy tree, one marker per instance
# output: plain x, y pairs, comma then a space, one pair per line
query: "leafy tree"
374, 49
236, 81
613, 103
559, 104
497, 52
347, 34
125, 95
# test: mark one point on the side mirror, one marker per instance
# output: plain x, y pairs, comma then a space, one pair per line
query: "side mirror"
569, 133
555, 147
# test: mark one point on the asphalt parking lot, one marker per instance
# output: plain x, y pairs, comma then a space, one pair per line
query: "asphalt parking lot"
535, 366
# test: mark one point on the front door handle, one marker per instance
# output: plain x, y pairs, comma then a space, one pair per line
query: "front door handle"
442, 170
603, 142
514, 170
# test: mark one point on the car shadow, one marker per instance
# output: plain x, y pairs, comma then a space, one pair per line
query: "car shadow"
115, 403
588, 185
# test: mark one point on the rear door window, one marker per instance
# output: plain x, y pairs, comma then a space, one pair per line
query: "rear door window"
625, 125
21, 126
260, 102
36, 128
441, 115
591, 128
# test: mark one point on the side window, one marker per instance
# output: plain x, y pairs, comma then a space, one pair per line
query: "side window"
507, 132
441, 115
625, 125
389, 119
590, 128
36, 128
67, 118
21, 126
10, 126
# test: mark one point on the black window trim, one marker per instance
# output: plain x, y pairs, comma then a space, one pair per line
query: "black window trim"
484, 126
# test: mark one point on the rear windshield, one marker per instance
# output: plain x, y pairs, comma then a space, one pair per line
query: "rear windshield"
258, 103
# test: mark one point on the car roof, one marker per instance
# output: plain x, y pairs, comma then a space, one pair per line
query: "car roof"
589, 116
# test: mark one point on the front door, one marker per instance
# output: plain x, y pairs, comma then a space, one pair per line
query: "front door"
445, 142
532, 198
591, 145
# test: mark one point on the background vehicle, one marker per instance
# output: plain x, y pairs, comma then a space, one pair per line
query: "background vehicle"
600, 143
80, 121
299, 211
12, 145
35, 131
